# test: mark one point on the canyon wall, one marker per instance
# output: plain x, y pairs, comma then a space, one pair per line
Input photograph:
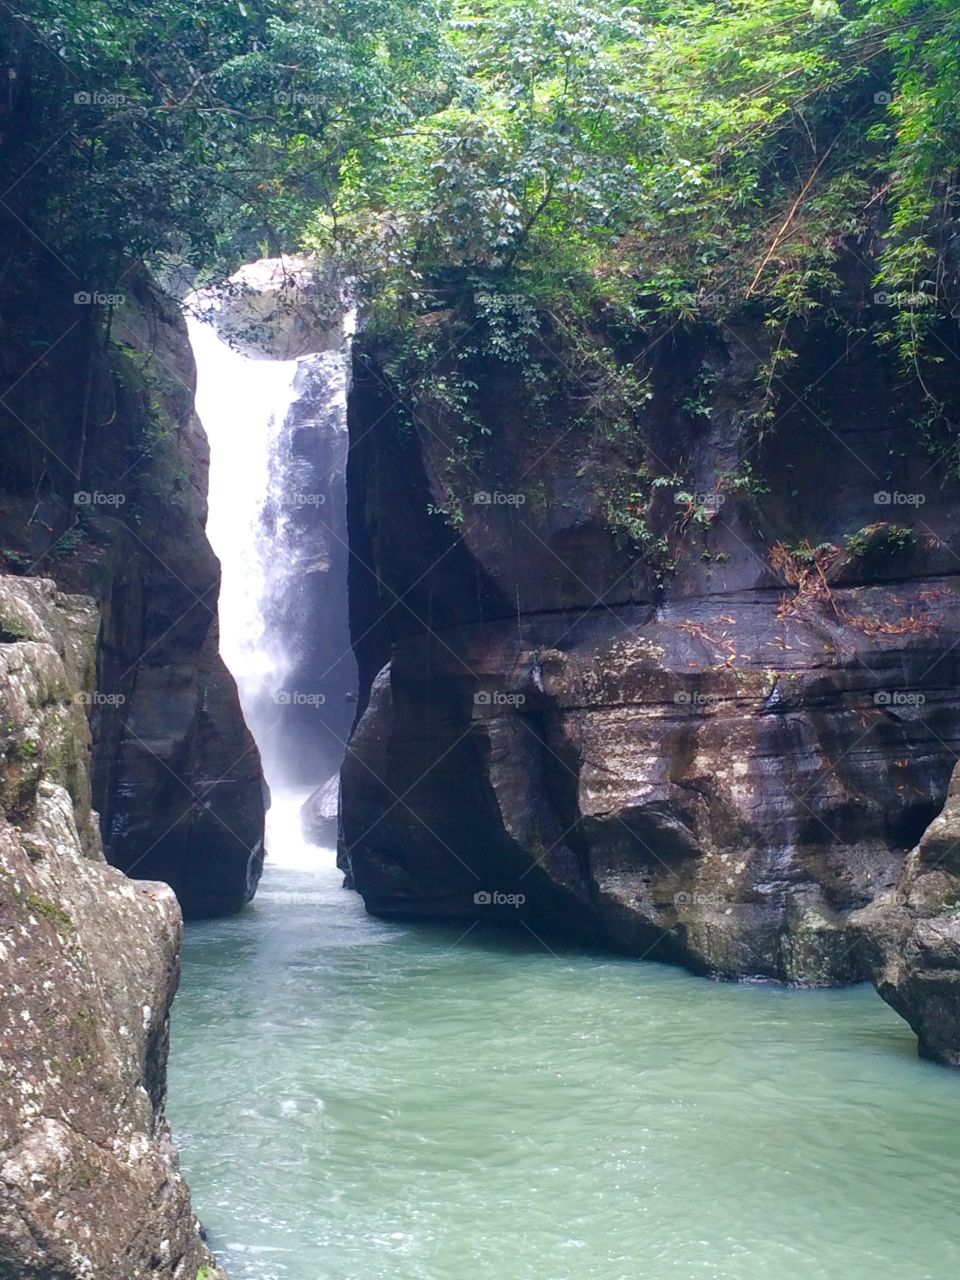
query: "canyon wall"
911, 936
670, 682
103, 488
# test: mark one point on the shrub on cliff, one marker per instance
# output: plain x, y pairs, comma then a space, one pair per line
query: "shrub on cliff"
682, 161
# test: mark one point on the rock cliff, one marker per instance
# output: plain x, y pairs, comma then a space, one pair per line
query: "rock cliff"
89, 1183
103, 488
912, 936
664, 682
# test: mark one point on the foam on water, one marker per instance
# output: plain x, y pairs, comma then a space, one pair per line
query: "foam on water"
286, 846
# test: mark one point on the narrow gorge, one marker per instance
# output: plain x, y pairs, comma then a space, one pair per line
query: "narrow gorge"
479, 645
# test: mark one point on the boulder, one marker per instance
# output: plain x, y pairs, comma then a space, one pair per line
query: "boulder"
913, 937
89, 1180
277, 308
320, 814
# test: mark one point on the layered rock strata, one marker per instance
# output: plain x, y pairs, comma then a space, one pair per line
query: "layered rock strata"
703, 719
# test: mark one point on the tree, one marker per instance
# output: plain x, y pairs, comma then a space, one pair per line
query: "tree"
206, 131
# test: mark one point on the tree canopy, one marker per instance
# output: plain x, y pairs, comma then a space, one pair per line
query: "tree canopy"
680, 156
207, 130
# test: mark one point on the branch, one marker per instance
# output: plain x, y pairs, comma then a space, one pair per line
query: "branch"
789, 218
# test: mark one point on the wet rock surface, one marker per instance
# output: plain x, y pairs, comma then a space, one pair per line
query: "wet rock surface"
313, 731
89, 1184
718, 761
319, 816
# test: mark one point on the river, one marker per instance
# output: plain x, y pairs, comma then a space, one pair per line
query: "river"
357, 1100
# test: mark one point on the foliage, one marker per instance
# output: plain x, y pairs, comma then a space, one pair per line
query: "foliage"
546, 174
677, 160
880, 537
811, 571
200, 131
743, 482
638, 166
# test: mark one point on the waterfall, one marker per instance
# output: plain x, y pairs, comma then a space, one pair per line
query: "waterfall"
277, 434
242, 404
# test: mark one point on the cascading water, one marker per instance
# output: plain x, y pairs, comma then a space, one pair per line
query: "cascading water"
277, 434
243, 404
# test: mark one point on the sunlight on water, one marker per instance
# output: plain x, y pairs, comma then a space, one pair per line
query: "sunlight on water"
364, 1101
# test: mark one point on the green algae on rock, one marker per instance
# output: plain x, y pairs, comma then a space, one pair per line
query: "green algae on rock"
89, 1181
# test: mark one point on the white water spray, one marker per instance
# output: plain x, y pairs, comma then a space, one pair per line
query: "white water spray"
244, 403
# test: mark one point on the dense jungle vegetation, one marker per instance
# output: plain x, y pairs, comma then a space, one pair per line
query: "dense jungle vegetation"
678, 158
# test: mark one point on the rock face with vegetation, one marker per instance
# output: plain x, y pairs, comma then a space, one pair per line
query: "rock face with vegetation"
653, 481
687, 691
89, 1184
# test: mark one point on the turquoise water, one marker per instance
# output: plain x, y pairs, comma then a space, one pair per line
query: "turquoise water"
361, 1101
